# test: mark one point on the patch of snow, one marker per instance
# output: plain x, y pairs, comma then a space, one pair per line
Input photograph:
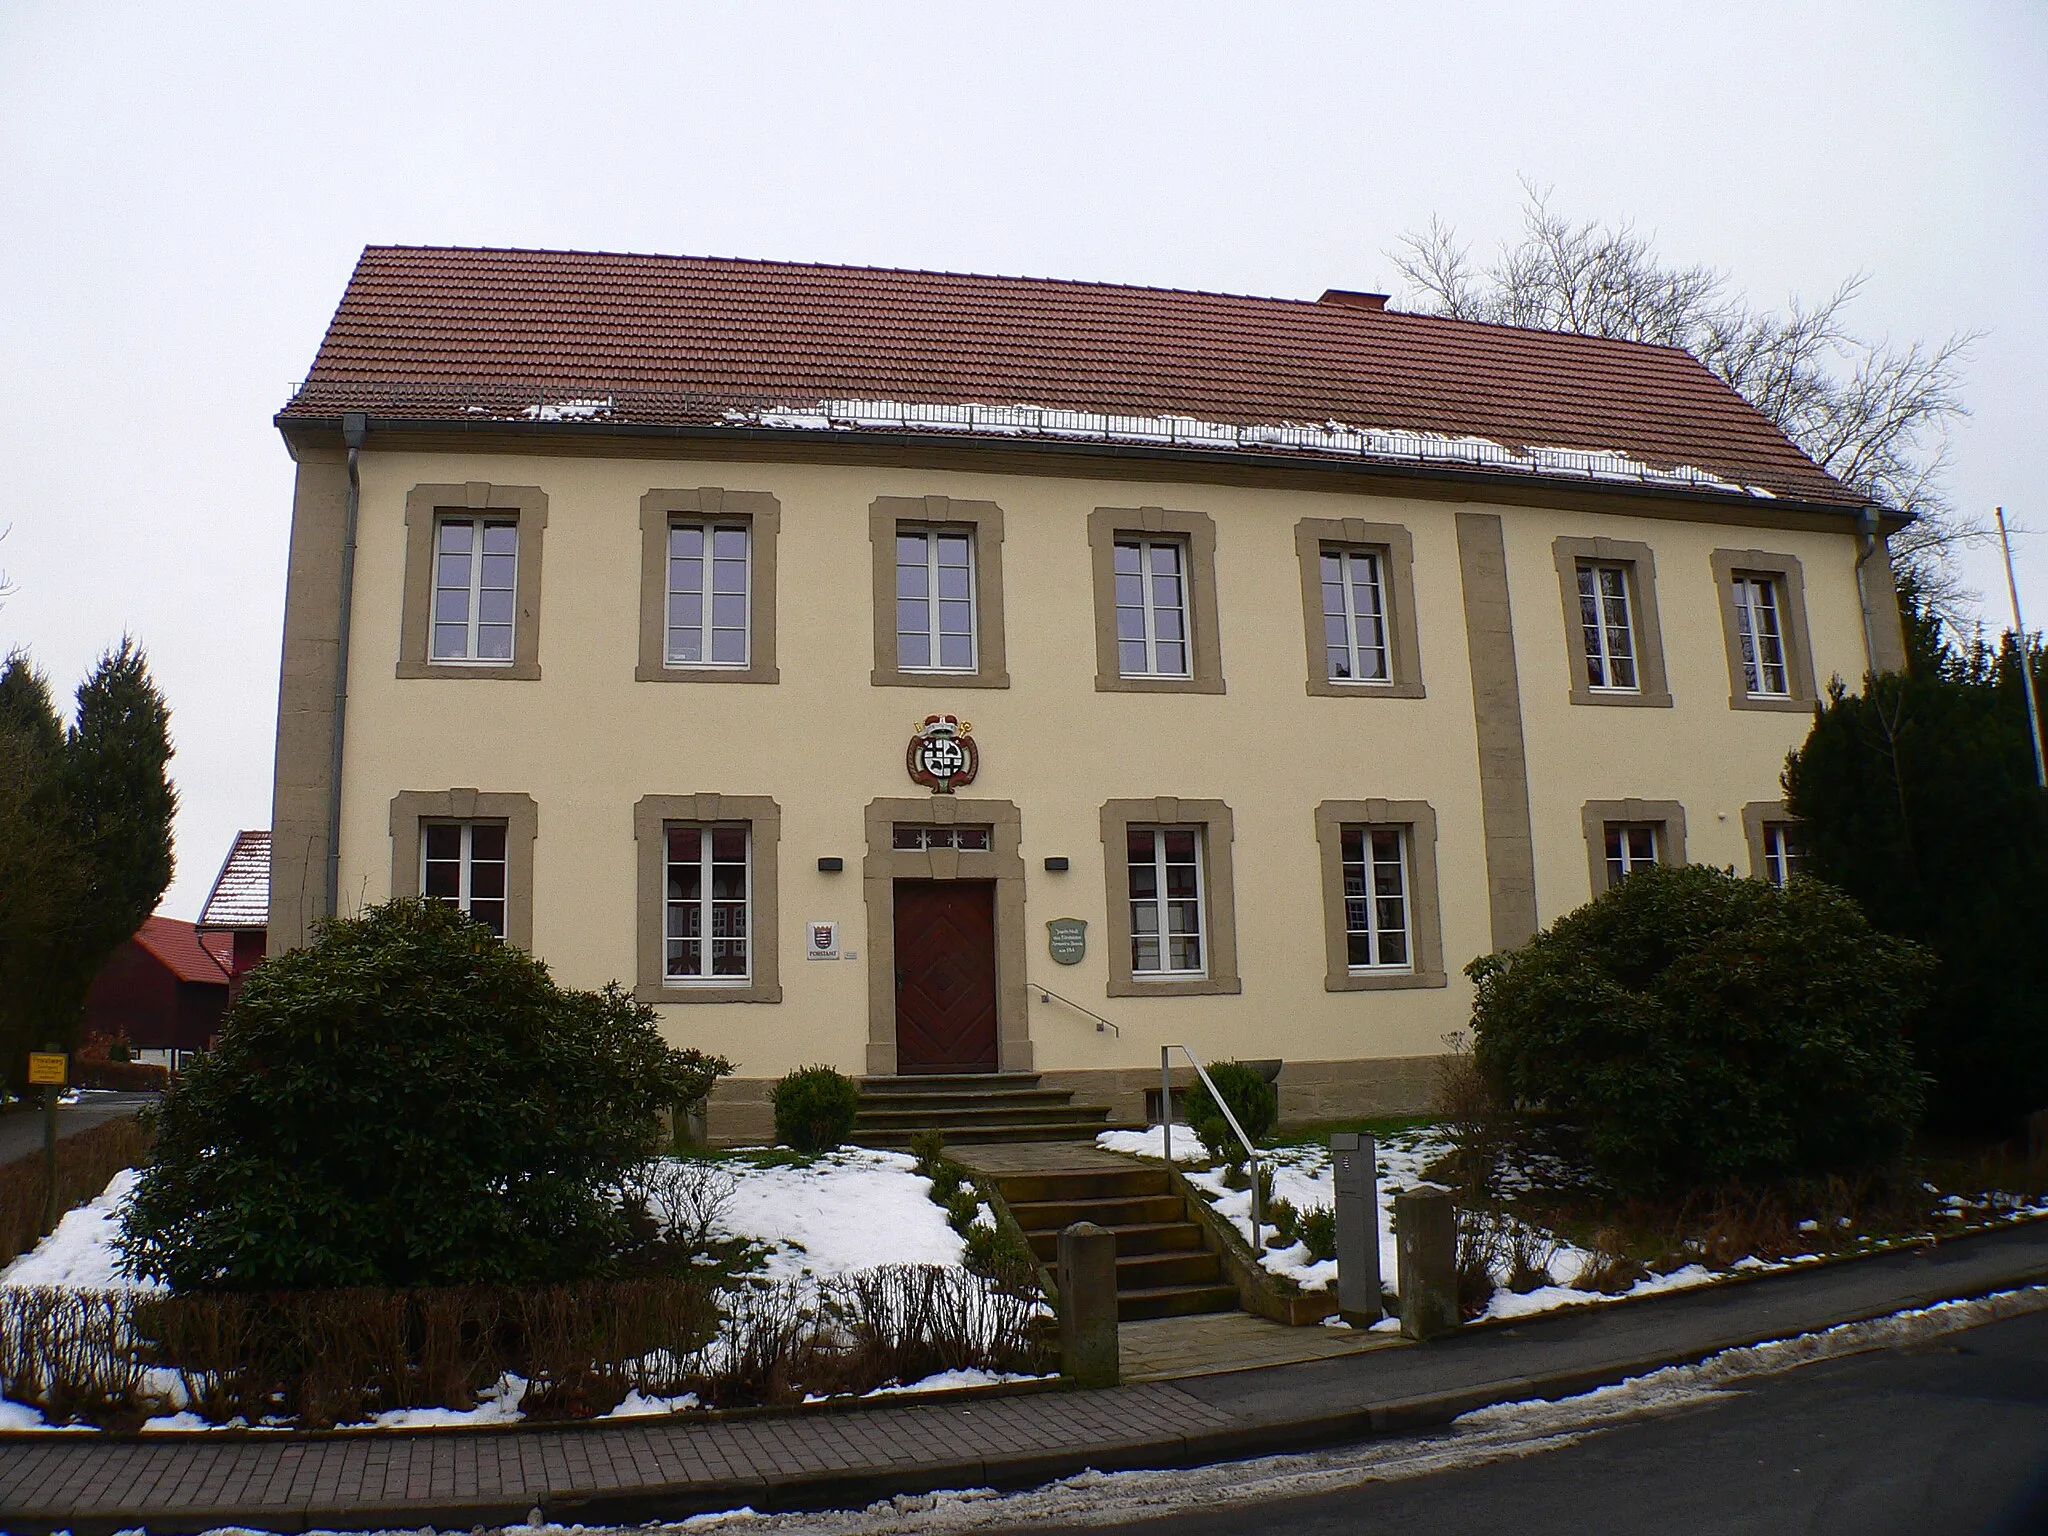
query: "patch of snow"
953, 1381
1335, 437
633, 1405
80, 1255
1151, 1142
849, 1210
568, 410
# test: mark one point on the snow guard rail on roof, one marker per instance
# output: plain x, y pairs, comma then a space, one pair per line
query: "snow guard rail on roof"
487, 401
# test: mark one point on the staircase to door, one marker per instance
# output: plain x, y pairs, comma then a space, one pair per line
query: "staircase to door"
972, 1107
1162, 1268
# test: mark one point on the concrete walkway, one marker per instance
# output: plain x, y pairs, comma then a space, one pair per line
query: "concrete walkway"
21, 1130
830, 1457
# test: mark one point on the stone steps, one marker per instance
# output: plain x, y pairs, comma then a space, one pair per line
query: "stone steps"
971, 1108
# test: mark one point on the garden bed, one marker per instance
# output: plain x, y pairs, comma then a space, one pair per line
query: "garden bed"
1551, 1243
816, 1277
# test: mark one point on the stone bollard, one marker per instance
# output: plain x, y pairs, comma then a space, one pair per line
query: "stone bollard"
1087, 1282
1426, 1233
1355, 1161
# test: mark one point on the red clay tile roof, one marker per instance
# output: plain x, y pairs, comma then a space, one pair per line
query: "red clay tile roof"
429, 333
177, 945
240, 897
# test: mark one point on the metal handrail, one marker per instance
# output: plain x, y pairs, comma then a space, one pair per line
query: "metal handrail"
1251, 1152
1047, 995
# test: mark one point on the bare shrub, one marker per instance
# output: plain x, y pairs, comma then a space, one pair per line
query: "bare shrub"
1609, 1268
688, 1197
1482, 1246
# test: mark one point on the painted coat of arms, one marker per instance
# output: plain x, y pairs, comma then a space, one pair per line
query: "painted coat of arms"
942, 755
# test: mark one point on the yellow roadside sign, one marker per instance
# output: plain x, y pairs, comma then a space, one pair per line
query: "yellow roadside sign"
46, 1068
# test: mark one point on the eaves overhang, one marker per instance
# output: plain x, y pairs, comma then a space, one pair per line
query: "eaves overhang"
303, 430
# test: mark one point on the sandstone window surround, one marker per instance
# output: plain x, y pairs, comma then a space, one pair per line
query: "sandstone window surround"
1640, 567
983, 521
652, 816
414, 809
1771, 833
761, 514
426, 506
1395, 548
1666, 816
1416, 821
1219, 910
1196, 533
1787, 582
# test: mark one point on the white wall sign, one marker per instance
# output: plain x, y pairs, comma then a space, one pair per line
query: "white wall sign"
821, 941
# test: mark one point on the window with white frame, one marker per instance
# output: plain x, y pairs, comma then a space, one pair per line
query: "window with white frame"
1760, 629
1376, 919
935, 600
476, 582
706, 923
1782, 858
1630, 846
1166, 901
1152, 608
1609, 628
1355, 616
709, 588
463, 864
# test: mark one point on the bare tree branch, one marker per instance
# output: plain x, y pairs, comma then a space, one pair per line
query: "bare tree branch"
1873, 414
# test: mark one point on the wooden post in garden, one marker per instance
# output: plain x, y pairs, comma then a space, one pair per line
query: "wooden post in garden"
1426, 1236
1087, 1281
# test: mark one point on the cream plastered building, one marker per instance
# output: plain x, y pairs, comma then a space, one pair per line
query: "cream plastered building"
1388, 692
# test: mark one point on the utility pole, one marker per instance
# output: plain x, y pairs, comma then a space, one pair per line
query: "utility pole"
2026, 658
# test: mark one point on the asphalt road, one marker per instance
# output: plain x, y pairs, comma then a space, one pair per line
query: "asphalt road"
21, 1130
1948, 1436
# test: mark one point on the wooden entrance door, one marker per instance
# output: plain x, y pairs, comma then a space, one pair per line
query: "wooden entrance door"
945, 976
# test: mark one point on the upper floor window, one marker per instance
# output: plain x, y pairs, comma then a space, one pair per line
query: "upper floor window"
463, 864
935, 600
709, 890
1376, 920
1355, 616
1630, 847
476, 582
1604, 614
1782, 858
1760, 631
709, 587
1166, 901
1152, 608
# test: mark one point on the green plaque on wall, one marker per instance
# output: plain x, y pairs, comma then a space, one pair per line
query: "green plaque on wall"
1067, 938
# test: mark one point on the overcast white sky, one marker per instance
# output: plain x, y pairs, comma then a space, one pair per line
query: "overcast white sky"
183, 190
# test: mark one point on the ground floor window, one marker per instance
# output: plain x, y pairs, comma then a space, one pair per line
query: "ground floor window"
709, 889
462, 863
1376, 926
1166, 901
1782, 858
1630, 847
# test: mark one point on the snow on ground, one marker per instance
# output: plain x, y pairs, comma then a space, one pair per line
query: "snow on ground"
80, 1254
849, 1210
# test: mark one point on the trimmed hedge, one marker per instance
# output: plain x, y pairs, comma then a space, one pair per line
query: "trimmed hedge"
815, 1108
85, 1162
124, 1076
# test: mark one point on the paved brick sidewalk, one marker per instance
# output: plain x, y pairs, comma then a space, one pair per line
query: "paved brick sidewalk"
672, 1468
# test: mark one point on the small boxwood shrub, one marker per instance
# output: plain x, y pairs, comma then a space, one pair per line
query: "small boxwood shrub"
815, 1108
1254, 1101
1317, 1227
1703, 1029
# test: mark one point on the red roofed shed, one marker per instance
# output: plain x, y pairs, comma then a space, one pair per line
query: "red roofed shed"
164, 989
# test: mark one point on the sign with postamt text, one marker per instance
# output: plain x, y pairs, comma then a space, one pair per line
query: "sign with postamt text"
46, 1068
1067, 938
822, 942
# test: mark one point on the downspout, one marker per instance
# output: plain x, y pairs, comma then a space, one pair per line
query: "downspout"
355, 426
1866, 542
